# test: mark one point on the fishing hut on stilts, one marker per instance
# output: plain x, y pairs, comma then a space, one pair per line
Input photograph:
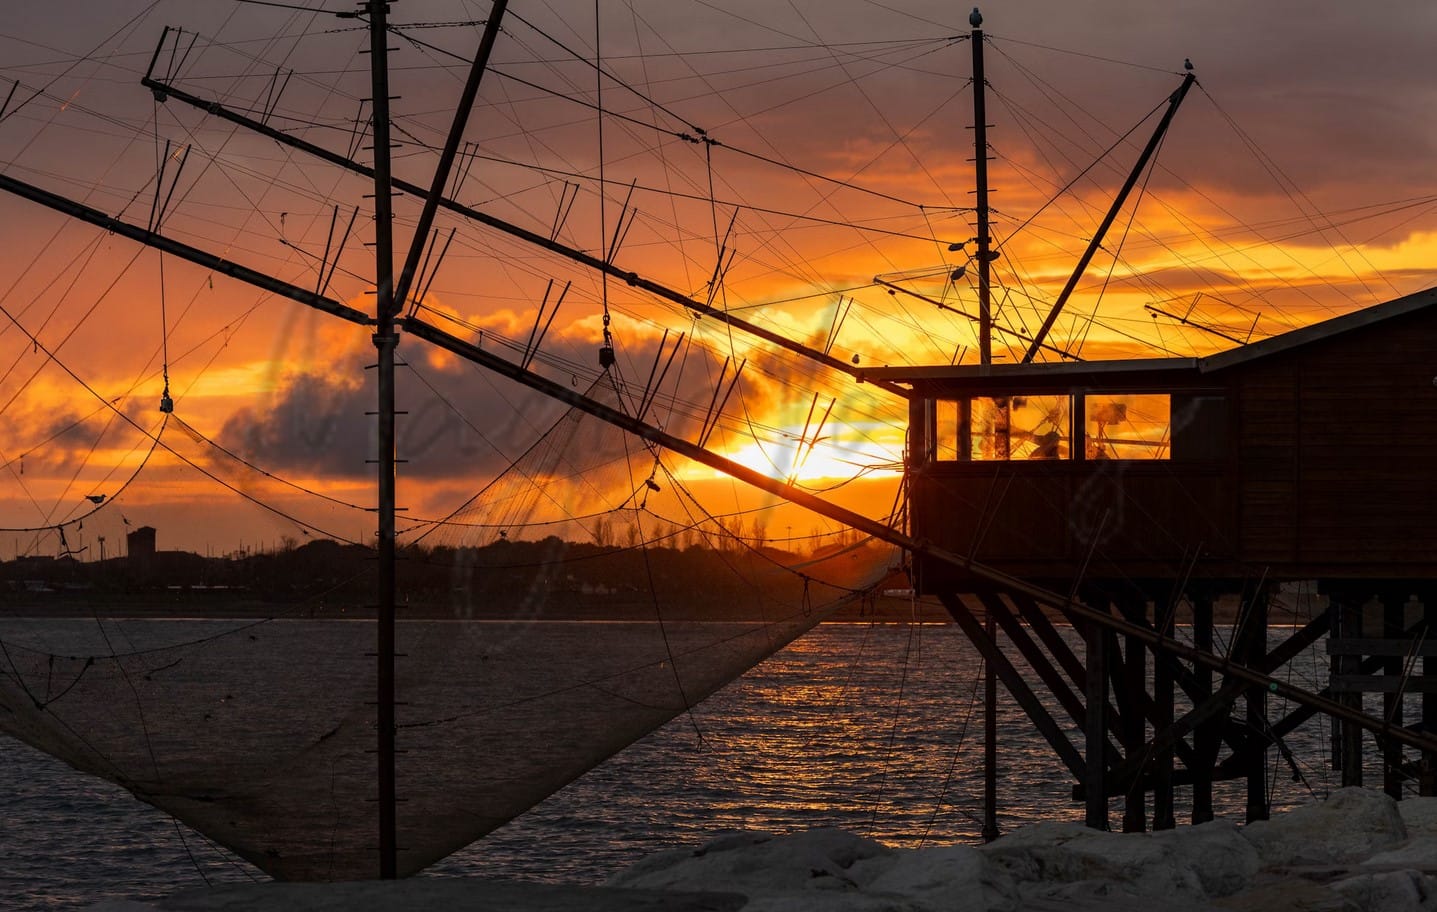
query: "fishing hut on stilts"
1153, 490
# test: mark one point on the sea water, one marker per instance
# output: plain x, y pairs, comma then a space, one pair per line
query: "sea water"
873, 728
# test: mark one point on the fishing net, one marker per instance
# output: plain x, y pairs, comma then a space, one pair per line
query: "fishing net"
577, 602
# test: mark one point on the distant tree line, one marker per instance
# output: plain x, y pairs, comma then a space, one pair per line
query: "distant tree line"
682, 571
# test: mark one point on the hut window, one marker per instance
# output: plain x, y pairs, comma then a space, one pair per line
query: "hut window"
946, 430
1127, 426
1019, 427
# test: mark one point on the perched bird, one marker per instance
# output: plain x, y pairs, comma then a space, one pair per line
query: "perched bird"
975, 18
1187, 63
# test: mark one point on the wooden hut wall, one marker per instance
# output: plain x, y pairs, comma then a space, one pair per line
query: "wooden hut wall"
1338, 454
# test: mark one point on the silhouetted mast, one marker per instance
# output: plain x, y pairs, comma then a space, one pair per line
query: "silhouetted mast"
1174, 101
985, 358
385, 339
980, 162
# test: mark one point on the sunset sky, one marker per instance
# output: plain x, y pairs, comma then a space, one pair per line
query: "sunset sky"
1296, 183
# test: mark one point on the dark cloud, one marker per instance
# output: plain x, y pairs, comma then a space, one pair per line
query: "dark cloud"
66, 440
319, 423
315, 423
460, 421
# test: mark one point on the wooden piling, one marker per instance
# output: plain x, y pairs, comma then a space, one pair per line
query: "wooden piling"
1393, 609
1163, 816
1427, 785
1095, 729
1257, 803
1205, 738
1349, 664
1134, 685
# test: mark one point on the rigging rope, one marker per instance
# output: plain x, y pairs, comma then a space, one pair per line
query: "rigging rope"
606, 351
167, 405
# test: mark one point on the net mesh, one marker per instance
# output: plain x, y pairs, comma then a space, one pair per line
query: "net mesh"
577, 602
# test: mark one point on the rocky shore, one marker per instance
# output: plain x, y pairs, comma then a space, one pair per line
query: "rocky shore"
1357, 851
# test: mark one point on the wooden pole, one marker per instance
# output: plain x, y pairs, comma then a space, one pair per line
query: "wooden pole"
1205, 738
1334, 668
1257, 804
1174, 101
1393, 609
446, 155
1427, 786
1095, 729
980, 173
1134, 688
1352, 628
385, 340
1163, 817
990, 736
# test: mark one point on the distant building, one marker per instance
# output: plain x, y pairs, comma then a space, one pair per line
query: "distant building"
140, 545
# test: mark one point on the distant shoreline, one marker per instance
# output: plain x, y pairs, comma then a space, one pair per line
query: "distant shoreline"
882, 610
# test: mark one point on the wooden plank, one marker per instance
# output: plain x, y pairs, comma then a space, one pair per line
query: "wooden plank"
1351, 683
1382, 647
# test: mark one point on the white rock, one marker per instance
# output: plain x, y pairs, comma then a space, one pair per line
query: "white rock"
1419, 815
831, 902
832, 871
939, 878
1289, 895
1104, 896
1045, 854
1216, 852
1418, 852
755, 864
1388, 891
1351, 823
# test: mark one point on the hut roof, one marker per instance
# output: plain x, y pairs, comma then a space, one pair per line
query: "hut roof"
1138, 372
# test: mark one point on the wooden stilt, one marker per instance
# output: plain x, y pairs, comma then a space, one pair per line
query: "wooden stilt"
1163, 818
1427, 786
1134, 688
1334, 668
1257, 803
1393, 605
1352, 628
1095, 728
1205, 738
990, 739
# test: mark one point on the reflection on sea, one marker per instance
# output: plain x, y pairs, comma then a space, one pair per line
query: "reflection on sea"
875, 729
